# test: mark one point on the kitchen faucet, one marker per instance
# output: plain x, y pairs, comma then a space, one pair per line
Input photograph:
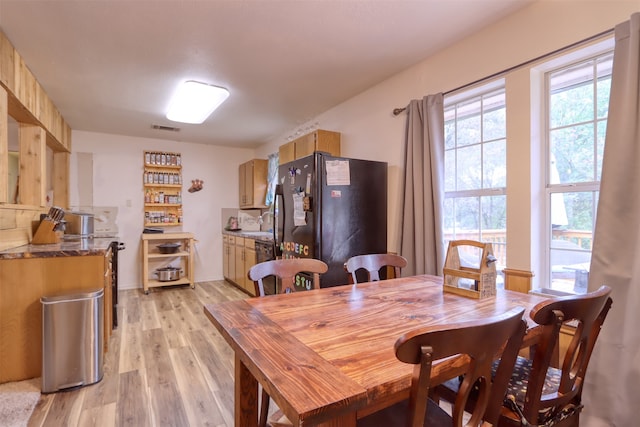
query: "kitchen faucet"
261, 217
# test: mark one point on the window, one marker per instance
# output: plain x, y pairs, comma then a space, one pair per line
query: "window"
475, 167
577, 99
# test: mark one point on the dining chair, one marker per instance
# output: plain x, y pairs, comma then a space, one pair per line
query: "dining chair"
538, 393
285, 270
372, 263
478, 342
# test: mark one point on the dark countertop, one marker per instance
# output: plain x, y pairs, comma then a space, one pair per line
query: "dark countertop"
256, 235
66, 248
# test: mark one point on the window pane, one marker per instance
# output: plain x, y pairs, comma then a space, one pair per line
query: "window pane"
572, 96
467, 212
468, 126
602, 131
494, 226
469, 168
494, 122
450, 170
494, 168
449, 133
571, 244
573, 148
449, 219
603, 70
603, 87
494, 214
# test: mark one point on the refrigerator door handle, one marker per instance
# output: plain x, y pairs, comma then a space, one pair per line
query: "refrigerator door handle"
278, 229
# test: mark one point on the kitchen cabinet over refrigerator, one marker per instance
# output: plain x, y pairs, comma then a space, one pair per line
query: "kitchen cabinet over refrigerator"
331, 208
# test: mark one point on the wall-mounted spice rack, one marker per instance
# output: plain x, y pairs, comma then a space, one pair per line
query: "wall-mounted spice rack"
162, 179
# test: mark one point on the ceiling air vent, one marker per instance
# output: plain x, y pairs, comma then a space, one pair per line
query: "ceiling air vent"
167, 128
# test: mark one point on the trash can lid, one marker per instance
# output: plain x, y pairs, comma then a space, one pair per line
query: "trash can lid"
72, 295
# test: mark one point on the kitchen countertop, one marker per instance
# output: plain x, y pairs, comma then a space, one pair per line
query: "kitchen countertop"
66, 248
256, 235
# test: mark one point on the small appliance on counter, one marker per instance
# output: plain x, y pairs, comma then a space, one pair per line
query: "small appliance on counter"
79, 224
232, 224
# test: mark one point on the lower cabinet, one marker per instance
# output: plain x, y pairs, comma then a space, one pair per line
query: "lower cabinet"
22, 283
249, 261
238, 256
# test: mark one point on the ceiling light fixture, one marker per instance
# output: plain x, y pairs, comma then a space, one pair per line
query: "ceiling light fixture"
193, 102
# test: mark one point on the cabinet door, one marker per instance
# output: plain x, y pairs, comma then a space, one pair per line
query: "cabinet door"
225, 256
252, 178
248, 183
239, 273
242, 193
286, 152
231, 261
249, 261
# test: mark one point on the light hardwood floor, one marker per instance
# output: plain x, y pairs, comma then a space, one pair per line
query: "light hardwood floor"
166, 366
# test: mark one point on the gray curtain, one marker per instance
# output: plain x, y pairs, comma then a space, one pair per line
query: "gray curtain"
422, 241
612, 389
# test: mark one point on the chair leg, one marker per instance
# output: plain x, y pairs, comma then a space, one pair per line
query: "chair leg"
264, 409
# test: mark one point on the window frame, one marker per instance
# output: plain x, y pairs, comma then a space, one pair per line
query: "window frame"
461, 97
572, 59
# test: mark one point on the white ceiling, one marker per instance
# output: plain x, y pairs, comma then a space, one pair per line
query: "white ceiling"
111, 66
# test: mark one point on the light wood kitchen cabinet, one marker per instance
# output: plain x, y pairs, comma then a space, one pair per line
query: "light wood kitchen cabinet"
287, 152
318, 140
22, 283
228, 256
238, 279
249, 261
253, 184
238, 256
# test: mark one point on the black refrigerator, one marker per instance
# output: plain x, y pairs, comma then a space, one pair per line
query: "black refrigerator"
330, 208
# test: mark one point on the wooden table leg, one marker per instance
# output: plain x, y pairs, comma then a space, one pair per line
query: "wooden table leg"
246, 396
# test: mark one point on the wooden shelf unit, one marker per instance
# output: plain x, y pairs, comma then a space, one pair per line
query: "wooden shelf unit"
162, 182
152, 258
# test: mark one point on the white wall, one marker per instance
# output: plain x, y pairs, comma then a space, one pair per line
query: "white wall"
117, 181
370, 131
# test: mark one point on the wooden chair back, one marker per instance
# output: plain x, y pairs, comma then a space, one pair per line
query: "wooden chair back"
586, 313
286, 270
480, 342
373, 263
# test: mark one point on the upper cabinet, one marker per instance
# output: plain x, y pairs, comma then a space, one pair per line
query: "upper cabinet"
318, 140
253, 184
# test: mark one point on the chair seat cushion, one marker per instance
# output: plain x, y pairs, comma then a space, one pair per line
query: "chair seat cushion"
517, 385
520, 379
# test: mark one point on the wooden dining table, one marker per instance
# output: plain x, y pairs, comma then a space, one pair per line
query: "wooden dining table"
326, 356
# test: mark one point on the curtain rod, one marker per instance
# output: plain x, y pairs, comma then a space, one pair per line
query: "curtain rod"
397, 111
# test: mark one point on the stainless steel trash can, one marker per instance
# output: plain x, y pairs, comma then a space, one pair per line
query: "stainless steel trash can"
72, 339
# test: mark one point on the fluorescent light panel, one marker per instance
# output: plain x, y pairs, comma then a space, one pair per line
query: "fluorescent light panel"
193, 102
